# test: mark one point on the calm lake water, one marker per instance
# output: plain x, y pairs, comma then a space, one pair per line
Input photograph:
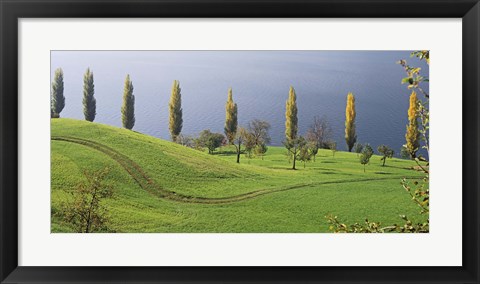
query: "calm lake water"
260, 81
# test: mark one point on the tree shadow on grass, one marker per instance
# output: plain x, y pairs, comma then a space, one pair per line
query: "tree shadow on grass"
399, 167
327, 169
382, 173
299, 168
225, 153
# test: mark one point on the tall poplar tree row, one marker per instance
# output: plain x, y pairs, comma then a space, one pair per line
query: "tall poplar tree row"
128, 106
89, 102
57, 99
291, 126
175, 106
412, 135
350, 114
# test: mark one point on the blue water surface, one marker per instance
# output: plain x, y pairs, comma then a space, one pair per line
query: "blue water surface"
260, 81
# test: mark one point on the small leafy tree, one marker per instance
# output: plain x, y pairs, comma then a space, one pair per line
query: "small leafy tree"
312, 148
256, 138
89, 102
249, 144
293, 148
259, 129
358, 147
350, 114
128, 106
332, 145
386, 152
87, 211
57, 99
304, 155
240, 137
260, 150
185, 140
313, 144
318, 134
175, 106
404, 152
209, 140
365, 156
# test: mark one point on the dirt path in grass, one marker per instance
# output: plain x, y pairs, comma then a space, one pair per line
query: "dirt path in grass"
146, 183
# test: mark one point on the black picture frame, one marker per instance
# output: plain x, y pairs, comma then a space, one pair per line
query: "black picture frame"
11, 11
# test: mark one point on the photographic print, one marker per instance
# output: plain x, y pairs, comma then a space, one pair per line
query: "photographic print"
233, 141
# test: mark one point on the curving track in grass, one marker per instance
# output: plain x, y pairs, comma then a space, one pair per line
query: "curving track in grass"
146, 183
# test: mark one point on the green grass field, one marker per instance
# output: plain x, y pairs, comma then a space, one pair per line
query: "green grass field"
164, 187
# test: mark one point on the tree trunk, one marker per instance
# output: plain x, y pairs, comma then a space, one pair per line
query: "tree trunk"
363, 167
384, 158
238, 151
294, 159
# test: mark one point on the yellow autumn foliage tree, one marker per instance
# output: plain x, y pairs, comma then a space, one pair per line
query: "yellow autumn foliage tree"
292, 142
231, 121
350, 114
412, 134
291, 119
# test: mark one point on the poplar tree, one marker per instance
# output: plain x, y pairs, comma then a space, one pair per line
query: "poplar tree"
175, 106
350, 114
412, 135
57, 99
231, 118
128, 106
291, 119
234, 137
89, 102
292, 142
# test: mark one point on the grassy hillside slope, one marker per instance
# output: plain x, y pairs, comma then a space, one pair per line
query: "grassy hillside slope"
164, 187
